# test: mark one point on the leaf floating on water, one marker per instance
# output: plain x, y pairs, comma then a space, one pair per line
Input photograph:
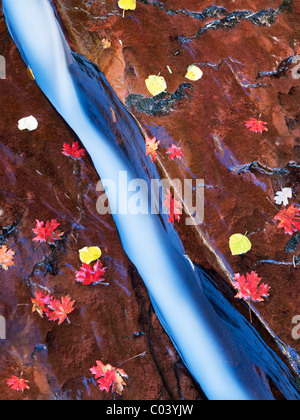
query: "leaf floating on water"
282, 197
256, 126
28, 123
89, 254
194, 73
109, 377
6, 257
156, 85
239, 244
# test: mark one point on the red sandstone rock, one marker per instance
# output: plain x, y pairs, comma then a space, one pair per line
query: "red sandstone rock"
247, 72
109, 323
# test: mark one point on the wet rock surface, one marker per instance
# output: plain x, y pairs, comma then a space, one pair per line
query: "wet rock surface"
111, 324
245, 52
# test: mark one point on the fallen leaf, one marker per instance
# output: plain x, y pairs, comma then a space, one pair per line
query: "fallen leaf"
89, 254
114, 116
91, 275
256, 126
109, 377
17, 384
105, 43
173, 207
60, 309
151, 148
194, 73
74, 151
127, 5
47, 233
40, 303
30, 73
282, 197
156, 85
175, 152
289, 219
28, 123
6, 257
239, 244
249, 288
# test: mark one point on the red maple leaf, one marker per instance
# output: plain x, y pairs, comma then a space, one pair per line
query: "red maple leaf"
289, 219
60, 309
257, 126
73, 151
175, 151
151, 148
91, 275
47, 233
249, 287
40, 303
173, 207
109, 377
17, 384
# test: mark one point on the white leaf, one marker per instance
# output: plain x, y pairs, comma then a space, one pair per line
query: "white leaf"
28, 123
282, 197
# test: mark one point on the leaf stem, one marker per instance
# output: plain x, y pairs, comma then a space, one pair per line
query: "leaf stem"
134, 357
250, 311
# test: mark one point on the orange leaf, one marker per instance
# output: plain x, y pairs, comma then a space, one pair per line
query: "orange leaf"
151, 148
109, 377
6, 257
289, 219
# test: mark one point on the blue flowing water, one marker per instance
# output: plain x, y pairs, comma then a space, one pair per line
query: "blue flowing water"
221, 350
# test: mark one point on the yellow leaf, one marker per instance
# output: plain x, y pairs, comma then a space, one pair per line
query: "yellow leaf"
89, 254
194, 73
239, 244
105, 43
156, 85
127, 4
30, 73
